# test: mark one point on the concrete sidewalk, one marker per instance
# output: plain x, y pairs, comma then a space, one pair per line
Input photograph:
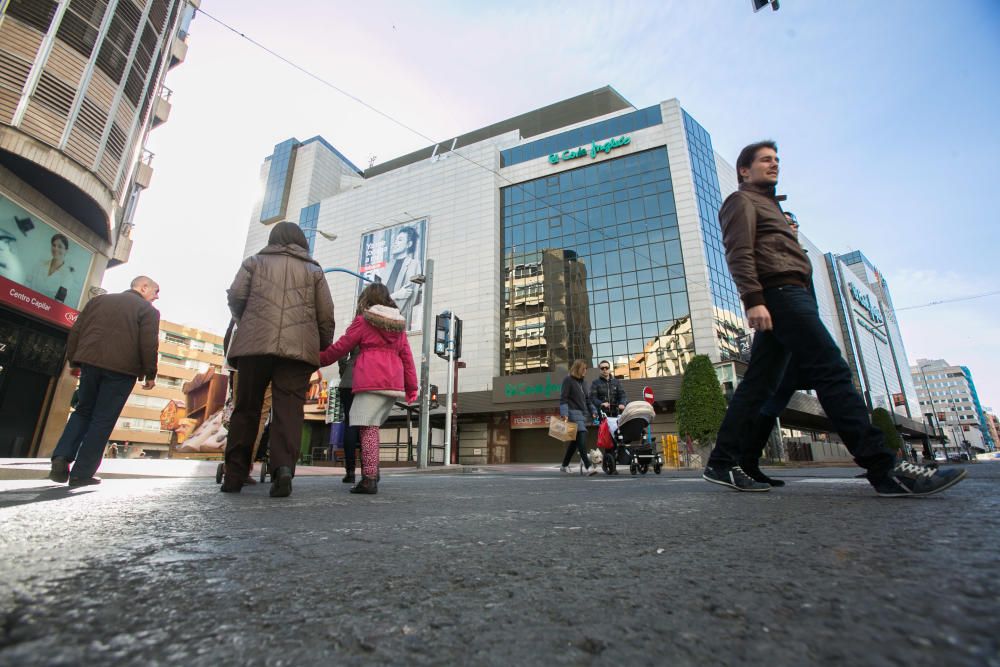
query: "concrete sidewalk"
183, 468
186, 468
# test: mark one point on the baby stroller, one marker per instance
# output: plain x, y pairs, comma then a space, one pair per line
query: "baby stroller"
628, 441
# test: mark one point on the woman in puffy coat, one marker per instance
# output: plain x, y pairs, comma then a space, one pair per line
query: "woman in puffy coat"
383, 372
284, 315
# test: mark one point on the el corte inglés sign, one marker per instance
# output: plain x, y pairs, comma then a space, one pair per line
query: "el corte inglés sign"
593, 151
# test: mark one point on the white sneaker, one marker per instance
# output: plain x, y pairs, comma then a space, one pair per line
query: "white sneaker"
592, 470
565, 469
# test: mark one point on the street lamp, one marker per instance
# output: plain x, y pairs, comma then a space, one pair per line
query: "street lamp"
423, 433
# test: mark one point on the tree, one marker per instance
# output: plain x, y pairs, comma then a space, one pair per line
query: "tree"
701, 405
882, 420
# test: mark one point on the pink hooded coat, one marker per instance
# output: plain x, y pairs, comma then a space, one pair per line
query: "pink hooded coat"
385, 362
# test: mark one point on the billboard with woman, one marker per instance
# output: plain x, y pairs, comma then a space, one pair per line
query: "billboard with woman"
39, 257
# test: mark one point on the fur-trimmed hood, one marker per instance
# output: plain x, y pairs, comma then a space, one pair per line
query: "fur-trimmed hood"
385, 318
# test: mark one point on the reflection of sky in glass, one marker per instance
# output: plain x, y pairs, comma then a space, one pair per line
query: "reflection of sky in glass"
728, 310
597, 269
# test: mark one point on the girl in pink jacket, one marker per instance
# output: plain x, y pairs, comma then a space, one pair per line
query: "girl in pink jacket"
383, 372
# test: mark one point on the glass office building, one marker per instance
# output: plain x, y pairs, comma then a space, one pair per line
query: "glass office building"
593, 269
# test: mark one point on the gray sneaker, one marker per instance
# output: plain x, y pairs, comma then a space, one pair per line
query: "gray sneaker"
734, 478
912, 480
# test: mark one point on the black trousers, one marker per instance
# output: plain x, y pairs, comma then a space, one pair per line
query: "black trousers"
579, 445
798, 332
350, 432
289, 381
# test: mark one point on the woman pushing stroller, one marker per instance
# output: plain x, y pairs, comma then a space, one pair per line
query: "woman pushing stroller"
383, 372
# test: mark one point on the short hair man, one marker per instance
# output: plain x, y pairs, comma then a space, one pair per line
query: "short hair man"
607, 391
113, 343
774, 276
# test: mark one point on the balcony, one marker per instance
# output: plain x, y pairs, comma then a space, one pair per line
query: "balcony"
162, 106
144, 170
178, 52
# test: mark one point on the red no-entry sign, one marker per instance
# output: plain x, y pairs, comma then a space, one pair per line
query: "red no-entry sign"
647, 394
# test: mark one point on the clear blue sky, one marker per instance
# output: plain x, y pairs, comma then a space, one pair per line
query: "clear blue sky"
885, 113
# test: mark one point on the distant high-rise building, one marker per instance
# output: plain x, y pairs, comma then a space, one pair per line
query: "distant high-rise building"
81, 85
948, 394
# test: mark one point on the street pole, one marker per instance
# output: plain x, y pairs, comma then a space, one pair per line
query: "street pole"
424, 430
451, 390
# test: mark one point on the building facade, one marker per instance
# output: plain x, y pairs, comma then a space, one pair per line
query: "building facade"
81, 85
587, 229
873, 343
949, 399
184, 352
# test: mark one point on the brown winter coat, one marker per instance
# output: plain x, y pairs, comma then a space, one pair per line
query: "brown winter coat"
282, 306
761, 248
117, 332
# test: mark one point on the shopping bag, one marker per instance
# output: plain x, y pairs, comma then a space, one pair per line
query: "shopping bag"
562, 430
337, 434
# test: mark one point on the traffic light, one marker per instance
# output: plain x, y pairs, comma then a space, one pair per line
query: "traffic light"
434, 397
441, 324
761, 4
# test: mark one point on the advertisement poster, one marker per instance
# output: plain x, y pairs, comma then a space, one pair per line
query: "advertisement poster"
392, 256
37, 256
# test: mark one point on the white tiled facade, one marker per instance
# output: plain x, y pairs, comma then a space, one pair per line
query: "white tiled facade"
458, 192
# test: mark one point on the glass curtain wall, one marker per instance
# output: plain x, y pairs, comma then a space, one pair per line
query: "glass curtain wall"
730, 327
593, 270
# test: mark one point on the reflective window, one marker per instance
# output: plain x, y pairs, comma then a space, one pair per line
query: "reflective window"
308, 219
276, 190
730, 326
588, 272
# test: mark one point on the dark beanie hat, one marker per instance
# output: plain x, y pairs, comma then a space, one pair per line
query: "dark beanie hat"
288, 233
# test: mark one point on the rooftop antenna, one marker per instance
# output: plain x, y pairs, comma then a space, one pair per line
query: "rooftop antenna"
371, 161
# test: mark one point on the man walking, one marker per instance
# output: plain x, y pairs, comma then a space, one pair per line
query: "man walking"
773, 276
113, 343
607, 391
764, 424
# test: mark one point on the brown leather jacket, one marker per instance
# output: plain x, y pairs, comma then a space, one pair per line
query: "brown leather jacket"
761, 249
117, 332
282, 306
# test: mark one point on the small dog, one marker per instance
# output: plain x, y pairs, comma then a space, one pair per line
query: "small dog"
595, 456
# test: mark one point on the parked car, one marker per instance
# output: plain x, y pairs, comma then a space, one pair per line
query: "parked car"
988, 456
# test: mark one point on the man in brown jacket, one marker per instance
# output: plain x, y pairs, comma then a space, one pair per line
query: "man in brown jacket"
773, 275
284, 317
113, 343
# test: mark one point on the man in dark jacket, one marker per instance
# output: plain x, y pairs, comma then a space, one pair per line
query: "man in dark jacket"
607, 391
774, 276
113, 343
284, 317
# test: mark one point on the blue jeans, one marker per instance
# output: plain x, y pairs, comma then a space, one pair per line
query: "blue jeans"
779, 400
102, 396
798, 332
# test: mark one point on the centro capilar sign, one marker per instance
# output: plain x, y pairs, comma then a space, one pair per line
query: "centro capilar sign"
595, 149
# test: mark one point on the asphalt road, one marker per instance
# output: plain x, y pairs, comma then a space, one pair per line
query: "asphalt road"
501, 568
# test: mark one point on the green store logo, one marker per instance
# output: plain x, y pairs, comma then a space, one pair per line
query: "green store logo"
595, 149
540, 390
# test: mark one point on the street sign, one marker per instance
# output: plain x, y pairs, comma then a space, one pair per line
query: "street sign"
647, 394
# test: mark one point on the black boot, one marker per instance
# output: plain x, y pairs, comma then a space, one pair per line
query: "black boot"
349, 477
281, 482
366, 485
